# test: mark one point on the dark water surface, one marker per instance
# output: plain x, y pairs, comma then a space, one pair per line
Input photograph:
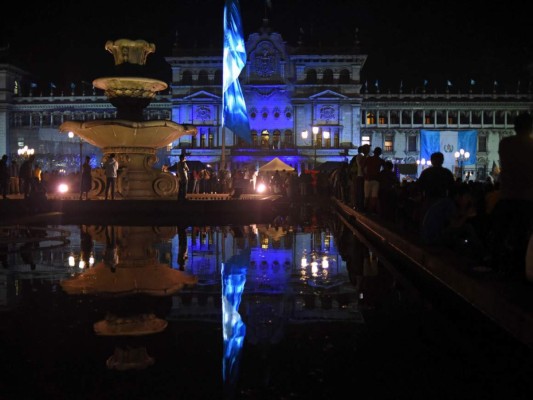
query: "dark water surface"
279, 311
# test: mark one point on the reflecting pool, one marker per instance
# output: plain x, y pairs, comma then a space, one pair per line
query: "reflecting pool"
269, 311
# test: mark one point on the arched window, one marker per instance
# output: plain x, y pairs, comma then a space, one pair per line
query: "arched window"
344, 76
310, 76
276, 138
265, 139
218, 77
288, 139
203, 78
328, 76
186, 78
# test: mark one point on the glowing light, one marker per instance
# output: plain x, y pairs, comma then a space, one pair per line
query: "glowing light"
62, 188
325, 262
71, 134
91, 260
81, 264
71, 261
261, 188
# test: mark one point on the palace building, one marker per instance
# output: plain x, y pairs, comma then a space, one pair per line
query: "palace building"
305, 105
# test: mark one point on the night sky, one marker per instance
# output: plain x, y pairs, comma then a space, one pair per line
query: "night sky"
409, 41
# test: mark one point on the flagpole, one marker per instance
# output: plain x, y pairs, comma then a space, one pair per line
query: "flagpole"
223, 154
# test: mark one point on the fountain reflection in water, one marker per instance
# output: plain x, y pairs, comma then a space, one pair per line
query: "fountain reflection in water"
133, 140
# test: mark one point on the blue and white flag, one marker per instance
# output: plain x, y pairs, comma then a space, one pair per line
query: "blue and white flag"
234, 114
425, 82
449, 83
448, 142
472, 82
52, 85
233, 277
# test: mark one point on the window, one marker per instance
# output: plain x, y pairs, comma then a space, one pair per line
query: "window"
203, 78
388, 143
328, 76
186, 78
311, 76
482, 143
365, 139
344, 76
411, 143
370, 118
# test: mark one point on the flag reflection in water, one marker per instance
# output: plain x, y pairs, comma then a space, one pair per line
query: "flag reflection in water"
233, 328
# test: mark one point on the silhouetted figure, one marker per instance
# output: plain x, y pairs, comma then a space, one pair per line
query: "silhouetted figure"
512, 224
182, 173
26, 175
436, 184
372, 168
4, 177
86, 178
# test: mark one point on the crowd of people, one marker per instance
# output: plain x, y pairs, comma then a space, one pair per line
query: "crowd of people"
490, 221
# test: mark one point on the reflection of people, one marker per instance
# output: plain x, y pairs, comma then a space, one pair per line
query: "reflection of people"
86, 244
86, 180
111, 258
111, 173
182, 247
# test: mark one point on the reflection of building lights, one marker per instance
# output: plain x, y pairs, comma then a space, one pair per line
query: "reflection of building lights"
81, 262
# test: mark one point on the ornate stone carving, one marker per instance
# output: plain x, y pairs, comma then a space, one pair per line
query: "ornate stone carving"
130, 51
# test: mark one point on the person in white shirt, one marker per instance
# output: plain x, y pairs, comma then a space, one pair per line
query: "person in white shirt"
111, 173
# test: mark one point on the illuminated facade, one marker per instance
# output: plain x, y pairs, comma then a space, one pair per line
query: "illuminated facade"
288, 91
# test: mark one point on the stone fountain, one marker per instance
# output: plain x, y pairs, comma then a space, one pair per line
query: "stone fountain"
133, 140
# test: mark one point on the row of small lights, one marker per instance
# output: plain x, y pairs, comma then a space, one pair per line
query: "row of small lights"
81, 264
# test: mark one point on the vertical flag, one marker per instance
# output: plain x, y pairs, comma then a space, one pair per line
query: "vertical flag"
425, 82
472, 82
234, 114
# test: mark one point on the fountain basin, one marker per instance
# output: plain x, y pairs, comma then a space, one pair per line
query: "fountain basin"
123, 133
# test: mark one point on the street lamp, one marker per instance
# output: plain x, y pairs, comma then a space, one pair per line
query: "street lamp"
71, 135
305, 134
461, 156
25, 152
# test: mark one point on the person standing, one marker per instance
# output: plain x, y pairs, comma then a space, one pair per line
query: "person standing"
111, 173
372, 169
512, 225
182, 172
86, 178
359, 184
4, 176
14, 187
26, 175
